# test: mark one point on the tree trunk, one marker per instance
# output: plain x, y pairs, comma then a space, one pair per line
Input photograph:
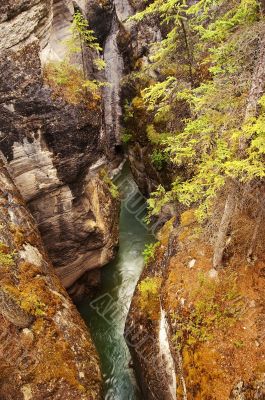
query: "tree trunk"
254, 236
258, 82
189, 53
230, 206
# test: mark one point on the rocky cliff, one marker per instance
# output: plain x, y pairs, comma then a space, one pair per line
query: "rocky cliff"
205, 275
46, 351
215, 319
53, 147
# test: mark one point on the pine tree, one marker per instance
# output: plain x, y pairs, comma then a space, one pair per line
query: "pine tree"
211, 63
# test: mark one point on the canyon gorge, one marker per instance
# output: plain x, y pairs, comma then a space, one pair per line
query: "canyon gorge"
132, 200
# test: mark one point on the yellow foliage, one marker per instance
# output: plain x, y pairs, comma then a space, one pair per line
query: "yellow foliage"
149, 300
68, 82
138, 103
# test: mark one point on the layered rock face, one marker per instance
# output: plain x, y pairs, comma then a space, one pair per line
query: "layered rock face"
46, 351
53, 148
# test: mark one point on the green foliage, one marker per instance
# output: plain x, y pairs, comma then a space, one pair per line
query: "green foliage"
99, 64
81, 34
126, 137
158, 159
205, 64
153, 136
149, 252
114, 191
158, 94
128, 113
157, 200
69, 80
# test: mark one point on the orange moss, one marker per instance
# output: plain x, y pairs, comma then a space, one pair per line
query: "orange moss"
164, 233
219, 322
188, 218
55, 362
28, 271
18, 234
201, 372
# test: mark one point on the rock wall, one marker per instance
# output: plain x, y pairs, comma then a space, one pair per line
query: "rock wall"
215, 318
53, 148
46, 351
148, 335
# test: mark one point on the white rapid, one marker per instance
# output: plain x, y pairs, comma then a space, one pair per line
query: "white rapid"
165, 354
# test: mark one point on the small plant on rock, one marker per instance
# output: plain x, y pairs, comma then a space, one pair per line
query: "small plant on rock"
158, 159
126, 137
114, 191
6, 258
149, 300
149, 251
68, 79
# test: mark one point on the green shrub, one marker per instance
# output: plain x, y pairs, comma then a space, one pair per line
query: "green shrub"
68, 80
158, 159
149, 251
126, 137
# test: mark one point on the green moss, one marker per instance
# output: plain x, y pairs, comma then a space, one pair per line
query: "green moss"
158, 159
56, 362
6, 258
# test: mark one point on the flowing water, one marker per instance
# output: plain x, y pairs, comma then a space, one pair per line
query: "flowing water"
106, 314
